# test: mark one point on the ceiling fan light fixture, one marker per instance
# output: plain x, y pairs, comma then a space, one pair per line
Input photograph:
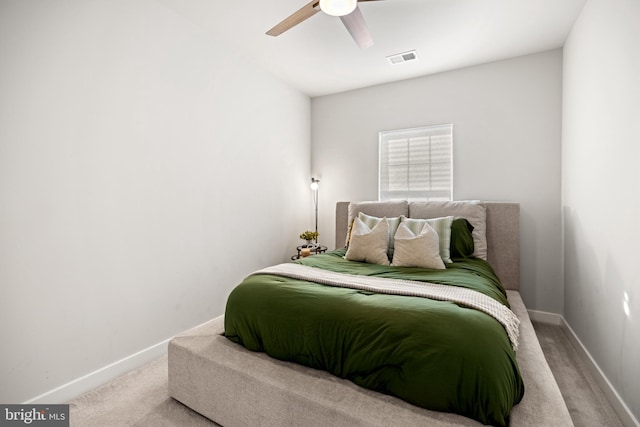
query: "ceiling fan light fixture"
338, 7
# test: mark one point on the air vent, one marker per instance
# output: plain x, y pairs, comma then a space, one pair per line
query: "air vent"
402, 57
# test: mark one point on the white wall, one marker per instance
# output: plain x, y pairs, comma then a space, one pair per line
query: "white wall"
507, 129
140, 179
601, 189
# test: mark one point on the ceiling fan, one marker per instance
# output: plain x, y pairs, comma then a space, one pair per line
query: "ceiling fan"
347, 10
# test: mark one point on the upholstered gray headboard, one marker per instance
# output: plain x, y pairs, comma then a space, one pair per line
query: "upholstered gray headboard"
503, 236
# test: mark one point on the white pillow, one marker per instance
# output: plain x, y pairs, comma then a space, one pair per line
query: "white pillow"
421, 250
442, 226
368, 245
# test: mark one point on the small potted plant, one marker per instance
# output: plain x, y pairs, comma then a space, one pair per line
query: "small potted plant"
309, 236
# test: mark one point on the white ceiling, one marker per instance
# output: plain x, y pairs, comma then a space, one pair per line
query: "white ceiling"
319, 57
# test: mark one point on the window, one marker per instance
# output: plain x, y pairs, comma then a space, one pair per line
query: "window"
416, 164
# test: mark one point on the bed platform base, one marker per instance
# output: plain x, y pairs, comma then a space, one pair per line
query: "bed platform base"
236, 387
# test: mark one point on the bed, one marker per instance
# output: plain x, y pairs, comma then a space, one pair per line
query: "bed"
232, 385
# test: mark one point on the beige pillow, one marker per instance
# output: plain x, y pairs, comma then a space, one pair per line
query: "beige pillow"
368, 245
393, 223
421, 250
442, 227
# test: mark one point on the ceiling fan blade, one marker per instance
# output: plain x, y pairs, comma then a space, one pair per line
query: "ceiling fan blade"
357, 27
304, 13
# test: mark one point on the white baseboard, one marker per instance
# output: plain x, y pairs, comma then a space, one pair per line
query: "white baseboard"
75, 388
621, 409
545, 317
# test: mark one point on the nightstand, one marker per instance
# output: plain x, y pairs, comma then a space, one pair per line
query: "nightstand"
313, 250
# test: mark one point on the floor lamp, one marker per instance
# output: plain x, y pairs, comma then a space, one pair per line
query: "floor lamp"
314, 188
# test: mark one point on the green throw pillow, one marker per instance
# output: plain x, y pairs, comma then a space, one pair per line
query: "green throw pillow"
461, 238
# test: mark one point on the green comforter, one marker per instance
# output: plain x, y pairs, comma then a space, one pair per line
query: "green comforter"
434, 354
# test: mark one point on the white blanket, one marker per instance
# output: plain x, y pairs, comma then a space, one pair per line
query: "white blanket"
463, 296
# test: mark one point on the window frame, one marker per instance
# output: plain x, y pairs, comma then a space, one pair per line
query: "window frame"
397, 135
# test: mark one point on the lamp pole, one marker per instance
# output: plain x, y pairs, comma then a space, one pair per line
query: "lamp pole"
314, 187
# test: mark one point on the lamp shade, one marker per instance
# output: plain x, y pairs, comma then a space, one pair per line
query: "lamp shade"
314, 183
338, 7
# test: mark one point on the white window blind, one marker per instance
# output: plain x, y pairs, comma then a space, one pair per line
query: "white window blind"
416, 164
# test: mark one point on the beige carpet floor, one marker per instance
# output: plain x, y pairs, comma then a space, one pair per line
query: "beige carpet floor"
587, 403
140, 397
